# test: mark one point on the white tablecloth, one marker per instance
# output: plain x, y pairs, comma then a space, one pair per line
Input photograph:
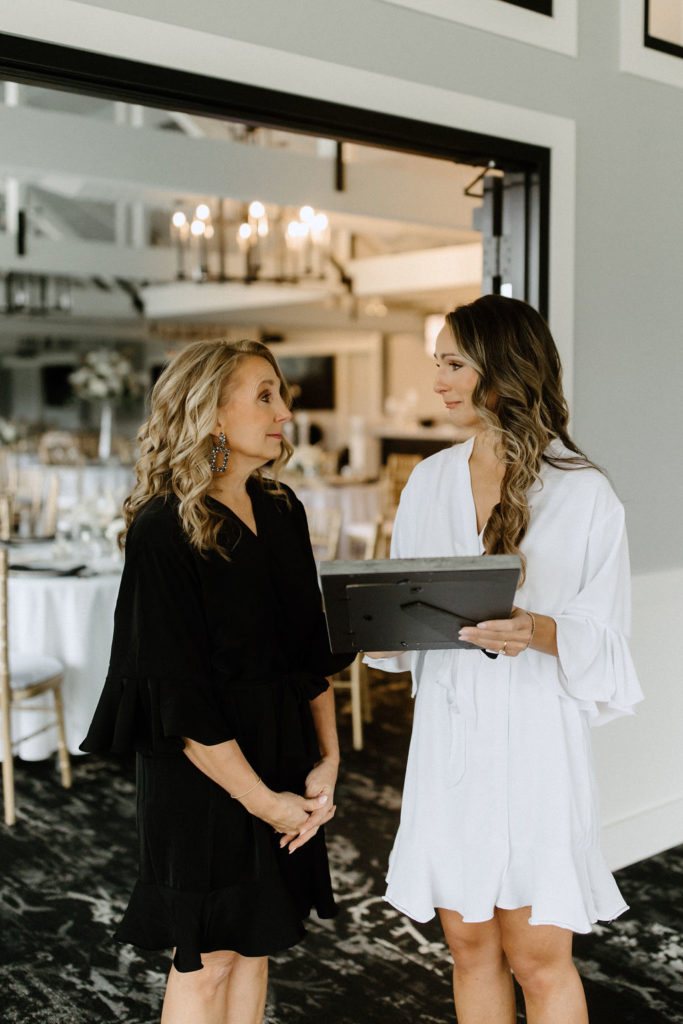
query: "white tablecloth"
73, 620
359, 503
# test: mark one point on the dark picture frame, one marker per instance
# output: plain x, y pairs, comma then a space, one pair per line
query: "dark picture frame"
654, 42
537, 6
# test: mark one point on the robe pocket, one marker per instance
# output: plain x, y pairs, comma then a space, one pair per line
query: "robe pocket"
457, 753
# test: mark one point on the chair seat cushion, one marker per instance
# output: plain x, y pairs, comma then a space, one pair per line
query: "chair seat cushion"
25, 668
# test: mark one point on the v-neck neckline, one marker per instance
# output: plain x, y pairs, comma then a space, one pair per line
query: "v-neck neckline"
250, 491
466, 449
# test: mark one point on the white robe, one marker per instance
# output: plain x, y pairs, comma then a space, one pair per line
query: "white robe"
500, 807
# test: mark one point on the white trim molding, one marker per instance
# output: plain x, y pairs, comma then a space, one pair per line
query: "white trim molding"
639, 759
559, 32
642, 834
635, 57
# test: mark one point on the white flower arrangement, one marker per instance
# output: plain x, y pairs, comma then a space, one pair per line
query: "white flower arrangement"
106, 374
306, 459
8, 432
114, 528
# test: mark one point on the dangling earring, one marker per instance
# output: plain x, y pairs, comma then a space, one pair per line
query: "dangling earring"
221, 447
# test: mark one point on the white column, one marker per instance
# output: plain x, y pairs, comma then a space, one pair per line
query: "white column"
15, 192
12, 94
131, 227
121, 206
138, 218
136, 115
121, 222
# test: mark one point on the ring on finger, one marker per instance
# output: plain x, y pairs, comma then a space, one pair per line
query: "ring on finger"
503, 649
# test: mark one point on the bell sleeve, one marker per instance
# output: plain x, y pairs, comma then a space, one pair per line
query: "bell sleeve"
594, 664
160, 686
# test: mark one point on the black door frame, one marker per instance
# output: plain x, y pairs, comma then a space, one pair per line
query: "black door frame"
34, 62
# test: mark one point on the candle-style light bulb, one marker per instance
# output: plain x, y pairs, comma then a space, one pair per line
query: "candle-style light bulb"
179, 222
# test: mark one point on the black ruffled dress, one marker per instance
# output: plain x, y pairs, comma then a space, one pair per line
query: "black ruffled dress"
215, 650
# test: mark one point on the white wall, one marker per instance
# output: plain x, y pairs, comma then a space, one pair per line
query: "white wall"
616, 225
638, 758
409, 368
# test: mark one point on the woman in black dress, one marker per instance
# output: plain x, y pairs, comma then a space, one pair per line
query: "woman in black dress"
217, 681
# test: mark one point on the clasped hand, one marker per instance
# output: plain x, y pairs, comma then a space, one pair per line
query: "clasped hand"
300, 817
503, 636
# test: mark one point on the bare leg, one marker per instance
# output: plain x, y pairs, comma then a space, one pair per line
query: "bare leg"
482, 983
541, 958
230, 989
246, 1000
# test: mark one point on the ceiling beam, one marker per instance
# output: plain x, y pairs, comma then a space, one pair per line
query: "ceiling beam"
120, 161
185, 298
450, 266
86, 259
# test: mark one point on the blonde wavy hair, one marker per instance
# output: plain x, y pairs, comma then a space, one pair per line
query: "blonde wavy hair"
519, 395
175, 441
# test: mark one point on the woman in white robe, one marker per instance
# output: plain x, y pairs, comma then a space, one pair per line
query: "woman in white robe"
500, 821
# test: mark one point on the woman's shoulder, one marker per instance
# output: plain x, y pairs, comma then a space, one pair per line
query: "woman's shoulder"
277, 489
586, 482
441, 462
279, 496
157, 523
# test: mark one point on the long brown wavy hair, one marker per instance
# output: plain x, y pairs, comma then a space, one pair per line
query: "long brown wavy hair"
519, 395
175, 441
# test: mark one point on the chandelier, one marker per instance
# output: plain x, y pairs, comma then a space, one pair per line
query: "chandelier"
269, 244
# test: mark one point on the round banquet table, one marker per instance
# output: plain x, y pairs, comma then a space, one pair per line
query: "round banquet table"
70, 618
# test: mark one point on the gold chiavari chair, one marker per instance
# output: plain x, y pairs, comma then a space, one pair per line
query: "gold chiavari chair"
47, 523
36, 496
24, 676
6, 515
60, 448
393, 478
324, 527
8, 469
354, 679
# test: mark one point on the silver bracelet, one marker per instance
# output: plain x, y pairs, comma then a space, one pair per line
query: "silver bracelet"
242, 795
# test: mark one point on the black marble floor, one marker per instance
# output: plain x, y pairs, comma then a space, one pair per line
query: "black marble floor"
68, 864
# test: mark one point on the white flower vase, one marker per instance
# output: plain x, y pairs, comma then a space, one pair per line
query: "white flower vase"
106, 425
